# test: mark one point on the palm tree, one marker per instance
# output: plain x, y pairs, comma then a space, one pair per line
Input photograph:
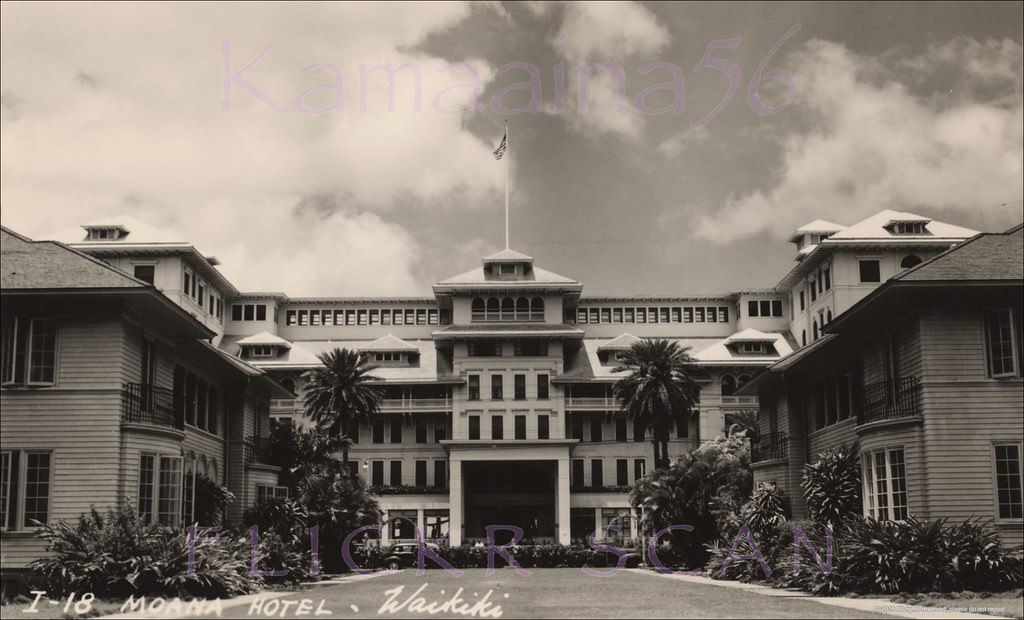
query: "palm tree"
658, 390
339, 394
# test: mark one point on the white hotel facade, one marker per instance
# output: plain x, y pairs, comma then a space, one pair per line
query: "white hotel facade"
498, 406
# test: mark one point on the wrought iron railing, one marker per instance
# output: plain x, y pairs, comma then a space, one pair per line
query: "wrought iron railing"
887, 400
771, 447
147, 404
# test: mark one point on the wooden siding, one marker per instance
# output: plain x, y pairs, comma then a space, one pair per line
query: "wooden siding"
79, 419
965, 413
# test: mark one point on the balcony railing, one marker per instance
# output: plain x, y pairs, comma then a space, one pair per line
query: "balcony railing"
257, 450
146, 404
774, 446
497, 316
888, 400
591, 402
739, 400
415, 404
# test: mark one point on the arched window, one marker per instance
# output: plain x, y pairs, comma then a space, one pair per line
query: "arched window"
478, 309
728, 385
742, 380
537, 309
829, 315
803, 338
508, 309
522, 309
910, 261
493, 307
814, 330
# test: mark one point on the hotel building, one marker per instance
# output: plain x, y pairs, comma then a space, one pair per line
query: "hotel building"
498, 401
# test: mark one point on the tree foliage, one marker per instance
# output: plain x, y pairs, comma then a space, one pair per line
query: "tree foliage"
659, 390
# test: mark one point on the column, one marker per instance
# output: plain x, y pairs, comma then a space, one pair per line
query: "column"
454, 501
421, 524
562, 501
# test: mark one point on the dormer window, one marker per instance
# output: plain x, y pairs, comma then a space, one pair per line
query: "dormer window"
389, 356
105, 233
259, 350
752, 348
507, 269
908, 228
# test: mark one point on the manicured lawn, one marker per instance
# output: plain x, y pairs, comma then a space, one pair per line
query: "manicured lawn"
550, 593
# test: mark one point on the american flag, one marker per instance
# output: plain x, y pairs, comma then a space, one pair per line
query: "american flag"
500, 151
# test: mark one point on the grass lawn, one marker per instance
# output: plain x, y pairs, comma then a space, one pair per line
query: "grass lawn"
547, 593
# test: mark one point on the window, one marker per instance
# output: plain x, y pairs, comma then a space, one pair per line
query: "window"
542, 387
698, 315
615, 525
620, 429
435, 523
396, 431
42, 346
606, 315
639, 468
421, 473
440, 474
581, 524
885, 485
146, 273
1008, 481
377, 432
160, 488
826, 275
377, 473
803, 301
595, 430
543, 427
519, 387
421, 431
687, 315
474, 387
908, 228
24, 488
576, 479
266, 491
520, 426
497, 389
1000, 338
474, 427
752, 347
440, 432
616, 315
682, 428
395, 477
629, 316
497, 427
622, 472
597, 473
870, 271
814, 291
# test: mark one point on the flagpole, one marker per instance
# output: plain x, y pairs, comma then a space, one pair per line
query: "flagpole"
508, 164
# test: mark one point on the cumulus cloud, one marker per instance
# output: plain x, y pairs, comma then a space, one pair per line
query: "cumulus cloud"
105, 102
880, 138
613, 33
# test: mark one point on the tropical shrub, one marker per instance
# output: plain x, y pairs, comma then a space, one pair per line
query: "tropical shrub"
338, 505
764, 514
831, 485
283, 516
211, 500
913, 556
704, 489
117, 555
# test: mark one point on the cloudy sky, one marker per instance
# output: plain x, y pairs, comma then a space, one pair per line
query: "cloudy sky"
270, 136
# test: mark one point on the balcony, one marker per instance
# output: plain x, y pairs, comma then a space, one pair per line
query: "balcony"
739, 400
415, 404
771, 447
591, 403
285, 405
147, 404
889, 400
256, 450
